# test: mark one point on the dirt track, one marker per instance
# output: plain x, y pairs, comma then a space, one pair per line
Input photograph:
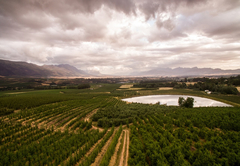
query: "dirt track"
114, 157
127, 150
91, 149
97, 128
165, 88
238, 88
100, 155
88, 116
124, 155
126, 86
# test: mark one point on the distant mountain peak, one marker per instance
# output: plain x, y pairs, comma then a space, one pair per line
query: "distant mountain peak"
69, 67
24, 69
184, 71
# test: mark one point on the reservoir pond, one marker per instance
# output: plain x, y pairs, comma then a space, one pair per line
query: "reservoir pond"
172, 100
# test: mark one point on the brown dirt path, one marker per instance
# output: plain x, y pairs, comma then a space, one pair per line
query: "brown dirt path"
91, 149
77, 109
127, 150
65, 126
100, 155
124, 155
114, 157
88, 116
36, 117
123, 150
97, 128
82, 119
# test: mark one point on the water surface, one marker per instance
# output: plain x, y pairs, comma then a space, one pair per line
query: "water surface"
172, 100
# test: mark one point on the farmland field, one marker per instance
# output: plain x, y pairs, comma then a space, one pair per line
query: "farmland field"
165, 88
95, 127
126, 86
238, 89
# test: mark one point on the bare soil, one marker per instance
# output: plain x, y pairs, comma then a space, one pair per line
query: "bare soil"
130, 89
54, 119
97, 128
65, 126
91, 149
66, 117
88, 116
126, 86
88, 153
16, 93
193, 149
16, 111
100, 155
124, 155
127, 150
165, 88
114, 157
192, 83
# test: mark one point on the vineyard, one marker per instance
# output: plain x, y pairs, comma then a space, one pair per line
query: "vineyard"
203, 136
82, 128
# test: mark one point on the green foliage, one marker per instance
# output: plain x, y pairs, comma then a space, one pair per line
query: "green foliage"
234, 80
5, 111
156, 84
123, 114
107, 88
159, 135
32, 100
90, 159
152, 143
188, 103
106, 158
221, 88
220, 85
26, 144
83, 86
227, 98
181, 101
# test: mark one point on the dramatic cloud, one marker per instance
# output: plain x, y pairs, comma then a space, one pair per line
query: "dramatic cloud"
122, 36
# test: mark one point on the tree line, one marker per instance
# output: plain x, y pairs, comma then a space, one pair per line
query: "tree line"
222, 87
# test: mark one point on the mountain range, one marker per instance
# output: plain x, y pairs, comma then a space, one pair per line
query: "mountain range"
185, 72
24, 69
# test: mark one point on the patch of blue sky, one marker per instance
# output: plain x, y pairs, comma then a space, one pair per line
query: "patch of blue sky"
151, 21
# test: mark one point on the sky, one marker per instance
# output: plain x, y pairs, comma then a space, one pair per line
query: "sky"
122, 36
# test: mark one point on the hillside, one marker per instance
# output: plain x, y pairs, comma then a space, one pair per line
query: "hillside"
9, 68
64, 70
24, 69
